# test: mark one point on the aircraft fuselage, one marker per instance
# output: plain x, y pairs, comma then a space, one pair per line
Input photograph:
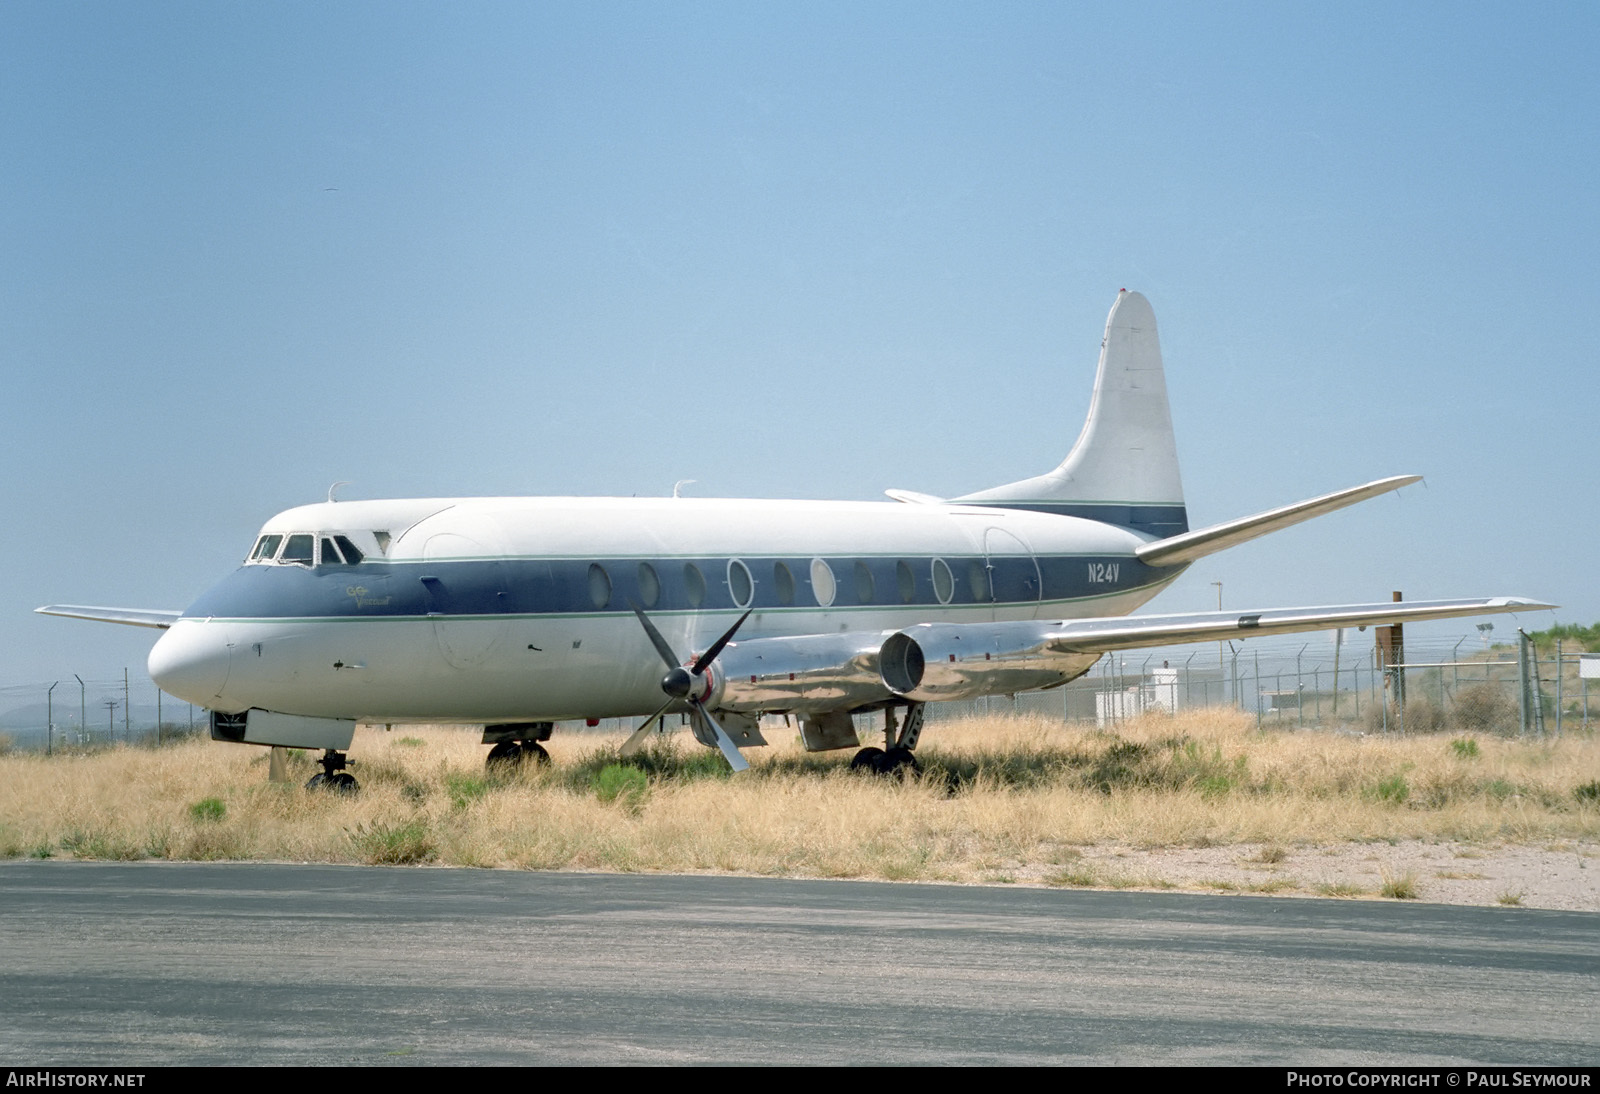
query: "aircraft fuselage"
520, 609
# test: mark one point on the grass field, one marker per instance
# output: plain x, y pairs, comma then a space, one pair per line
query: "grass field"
1004, 799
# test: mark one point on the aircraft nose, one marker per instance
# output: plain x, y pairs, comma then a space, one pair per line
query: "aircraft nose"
191, 662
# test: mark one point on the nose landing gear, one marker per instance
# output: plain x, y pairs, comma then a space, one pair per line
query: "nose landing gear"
333, 776
516, 743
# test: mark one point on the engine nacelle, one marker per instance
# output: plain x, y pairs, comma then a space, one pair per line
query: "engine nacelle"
935, 661
815, 673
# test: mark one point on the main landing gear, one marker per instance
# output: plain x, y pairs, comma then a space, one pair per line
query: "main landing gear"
897, 756
515, 744
333, 776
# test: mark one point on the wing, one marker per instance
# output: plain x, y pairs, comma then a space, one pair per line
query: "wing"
964, 660
133, 617
1133, 632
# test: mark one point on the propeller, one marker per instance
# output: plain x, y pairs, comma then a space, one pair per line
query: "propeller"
681, 683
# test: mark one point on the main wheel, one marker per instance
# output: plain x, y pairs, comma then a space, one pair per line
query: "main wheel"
868, 759
900, 761
506, 754
342, 782
533, 750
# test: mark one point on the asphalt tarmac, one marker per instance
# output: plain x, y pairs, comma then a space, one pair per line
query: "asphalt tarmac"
179, 963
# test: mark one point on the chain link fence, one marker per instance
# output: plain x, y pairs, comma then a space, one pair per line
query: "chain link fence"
1453, 685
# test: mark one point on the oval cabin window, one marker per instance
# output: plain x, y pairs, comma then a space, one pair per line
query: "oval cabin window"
740, 584
823, 586
649, 585
863, 583
599, 585
905, 582
694, 584
783, 583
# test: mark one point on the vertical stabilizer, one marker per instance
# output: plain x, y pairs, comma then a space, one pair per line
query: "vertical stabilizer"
1124, 467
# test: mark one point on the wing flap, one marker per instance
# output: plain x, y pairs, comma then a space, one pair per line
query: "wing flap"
1180, 549
133, 617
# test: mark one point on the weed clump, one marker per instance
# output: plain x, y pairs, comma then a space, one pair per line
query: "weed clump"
1393, 790
1400, 886
1465, 748
464, 789
394, 844
208, 809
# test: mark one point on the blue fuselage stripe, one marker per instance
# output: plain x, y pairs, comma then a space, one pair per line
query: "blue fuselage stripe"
1157, 520
531, 586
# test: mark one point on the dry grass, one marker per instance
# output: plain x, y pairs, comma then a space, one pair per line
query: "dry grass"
1002, 799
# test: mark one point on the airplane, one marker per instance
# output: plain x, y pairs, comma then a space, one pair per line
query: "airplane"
517, 613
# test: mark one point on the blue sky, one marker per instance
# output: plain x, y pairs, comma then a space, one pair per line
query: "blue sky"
810, 250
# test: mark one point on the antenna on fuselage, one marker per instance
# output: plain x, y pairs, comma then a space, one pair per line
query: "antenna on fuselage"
335, 486
680, 484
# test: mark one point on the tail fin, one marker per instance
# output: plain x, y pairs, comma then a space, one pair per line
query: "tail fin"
1124, 467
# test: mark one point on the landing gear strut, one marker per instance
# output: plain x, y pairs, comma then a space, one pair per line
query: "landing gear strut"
333, 776
516, 743
896, 757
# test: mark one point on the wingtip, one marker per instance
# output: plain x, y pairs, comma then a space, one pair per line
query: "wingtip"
1523, 604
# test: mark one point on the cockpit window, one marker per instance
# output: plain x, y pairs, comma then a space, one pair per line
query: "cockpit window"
298, 549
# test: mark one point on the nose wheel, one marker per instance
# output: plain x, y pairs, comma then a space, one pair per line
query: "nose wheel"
509, 755
333, 776
515, 744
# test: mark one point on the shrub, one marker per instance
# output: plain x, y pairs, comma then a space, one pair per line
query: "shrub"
1465, 748
1485, 708
1423, 715
620, 782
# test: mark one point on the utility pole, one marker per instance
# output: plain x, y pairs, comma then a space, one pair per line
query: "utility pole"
111, 727
83, 711
126, 735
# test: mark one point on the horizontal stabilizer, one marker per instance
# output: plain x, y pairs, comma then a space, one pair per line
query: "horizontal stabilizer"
1185, 548
133, 617
1133, 632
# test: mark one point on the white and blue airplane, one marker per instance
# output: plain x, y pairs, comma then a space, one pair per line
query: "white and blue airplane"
516, 613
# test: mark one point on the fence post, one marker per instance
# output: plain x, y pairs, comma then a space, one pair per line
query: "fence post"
1522, 683
1558, 687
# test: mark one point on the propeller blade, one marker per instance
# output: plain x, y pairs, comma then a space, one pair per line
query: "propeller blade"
716, 647
655, 636
635, 743
736, 758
